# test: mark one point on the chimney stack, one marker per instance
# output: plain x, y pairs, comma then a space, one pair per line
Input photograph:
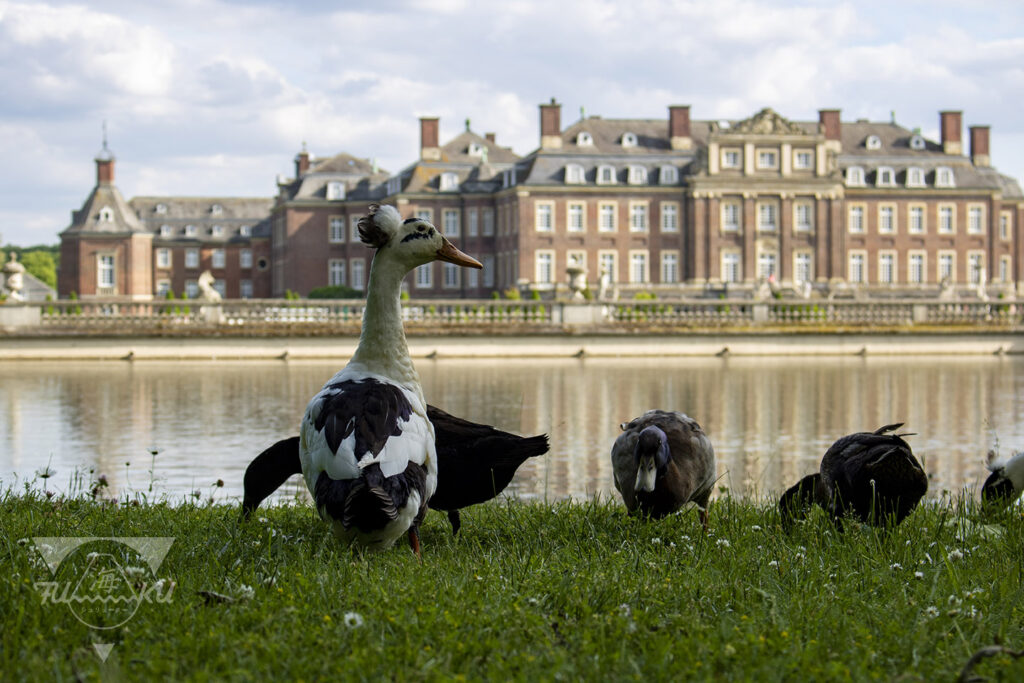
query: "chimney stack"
951, 123
490, 137
551, 125
301, 162
832, 127
979, 146
679, 126
430, 148
104, 168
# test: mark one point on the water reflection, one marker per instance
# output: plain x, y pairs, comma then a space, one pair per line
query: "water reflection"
769, 419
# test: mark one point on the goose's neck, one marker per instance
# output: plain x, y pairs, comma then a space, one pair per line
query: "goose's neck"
382, 346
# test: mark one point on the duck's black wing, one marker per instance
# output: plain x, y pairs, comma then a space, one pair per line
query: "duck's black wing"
475, 462
798, 499
268, 471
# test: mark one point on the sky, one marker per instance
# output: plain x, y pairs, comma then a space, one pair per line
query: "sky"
216, 97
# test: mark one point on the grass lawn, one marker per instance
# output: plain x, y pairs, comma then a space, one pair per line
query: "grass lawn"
527, 591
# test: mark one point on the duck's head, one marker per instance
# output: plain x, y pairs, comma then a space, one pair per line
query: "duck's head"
409, 243
652, 456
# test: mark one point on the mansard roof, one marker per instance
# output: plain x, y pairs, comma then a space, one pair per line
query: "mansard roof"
473, 172
159, 210
105, 212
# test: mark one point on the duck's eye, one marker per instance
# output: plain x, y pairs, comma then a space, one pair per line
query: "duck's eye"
421, 227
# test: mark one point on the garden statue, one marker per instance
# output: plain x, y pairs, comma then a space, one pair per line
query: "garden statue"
14, 279
206, 290
605, 283
577, 281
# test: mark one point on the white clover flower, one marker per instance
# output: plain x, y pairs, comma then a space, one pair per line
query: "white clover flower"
918, 575
773, 563
955, 555
625, 610
684, 537
671, 544
353, 619
723, 542
799, 556
895, 566
931, 612
23, 541
655, 541
755, 527
263, 520
246, 592
532, 601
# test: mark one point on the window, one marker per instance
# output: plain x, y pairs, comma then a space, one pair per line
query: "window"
873, 142
450, 222
357, 273
607, 262
730, 266
638, 267
1005, 263
916, 142
245, 258
191, 289
668, 175
508, 178
394, 185
163, 258
191, 231
545, 267
856, 220
731, 216
217, 258
475, 149
606, 218
637, 175
803, 217
106, 215
944, 177
1004, 225
947, 266
336, 272
945, 220
217, 230
767, 217
449, 182
766, 265
353, 226
803, 160
802, 268
915, 220
975, 220
669, 217
856, 268
915, 177
574, 174
605, 175
162, 287
216, 210
669, 267
474, 222
975, 267
575, 217
915, 268
488, 222
450, 276
191, 258
584, 138
886, 220
160, 209
886, 177
245, 231
637, 217
767, 159
336, 229
730, 158
545, 221
221, 287
245, 289
488, 269
855, 176
472, 278
425, 276
105, 270
628, 140
335, 190
165, 231
886, 267
425, 215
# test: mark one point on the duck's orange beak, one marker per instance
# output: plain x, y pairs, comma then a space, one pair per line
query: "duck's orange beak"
449, 253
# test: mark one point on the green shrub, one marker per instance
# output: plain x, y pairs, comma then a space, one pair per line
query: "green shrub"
535, 295
513, 294
645, 296
335, 292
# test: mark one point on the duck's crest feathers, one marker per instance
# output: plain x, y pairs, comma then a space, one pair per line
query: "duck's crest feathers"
378, 226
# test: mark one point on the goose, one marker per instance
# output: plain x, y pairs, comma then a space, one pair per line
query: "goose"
475, 462
1006, 482
661, 461
872, 475
366, 446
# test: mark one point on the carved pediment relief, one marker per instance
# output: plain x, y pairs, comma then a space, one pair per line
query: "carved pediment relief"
767, 122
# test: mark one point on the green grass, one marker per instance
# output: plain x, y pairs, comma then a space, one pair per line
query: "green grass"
529, 591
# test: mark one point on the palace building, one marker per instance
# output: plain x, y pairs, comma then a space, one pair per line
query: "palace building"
673, 206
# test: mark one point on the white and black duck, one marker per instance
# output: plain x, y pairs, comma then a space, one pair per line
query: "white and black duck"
366, 445
1006, 481
661, 461
872, 476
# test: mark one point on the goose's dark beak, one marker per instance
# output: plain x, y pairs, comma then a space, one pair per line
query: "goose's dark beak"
449, 253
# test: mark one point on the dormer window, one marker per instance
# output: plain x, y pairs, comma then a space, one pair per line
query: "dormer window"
886, 177
335, 190
475, 149
190, 231
873, 142
574, 174
216, 210
605, 175
394, 185
855, 176
217, 230
165, 231
628, 140
245, 231
449, 182
668, 175
637, 175
944, 177
106, 215
915, 177
916, 142
508, 178
584, 139
160, 208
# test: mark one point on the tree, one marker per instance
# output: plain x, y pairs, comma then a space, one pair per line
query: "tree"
40, 264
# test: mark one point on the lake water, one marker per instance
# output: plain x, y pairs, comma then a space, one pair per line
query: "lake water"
769, 419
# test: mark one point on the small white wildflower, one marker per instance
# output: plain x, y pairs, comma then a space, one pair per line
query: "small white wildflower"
532, 601
927, 557
931, 612
955, 555
246, 592
685, 537
478, 577
895, 566
655, 540
801, 548
625, 610
974, 612
23, 541
270, 581
954, 600
799, 556
933, 544
918, 575
724, 542
755, 527
45, 472
353, 619
773, 563
263, 520
671, 544
908, 542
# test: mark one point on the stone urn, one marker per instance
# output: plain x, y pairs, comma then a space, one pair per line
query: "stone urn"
577, 282
14, 278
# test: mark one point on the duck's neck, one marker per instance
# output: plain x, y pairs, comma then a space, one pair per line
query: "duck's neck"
382, 346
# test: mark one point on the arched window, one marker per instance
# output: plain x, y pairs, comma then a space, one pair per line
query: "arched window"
628, 140
583, 139
916, 142
873, 142
106, 215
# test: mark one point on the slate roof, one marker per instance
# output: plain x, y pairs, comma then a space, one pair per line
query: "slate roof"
89, 219
363, 180
474, 173
215, 219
